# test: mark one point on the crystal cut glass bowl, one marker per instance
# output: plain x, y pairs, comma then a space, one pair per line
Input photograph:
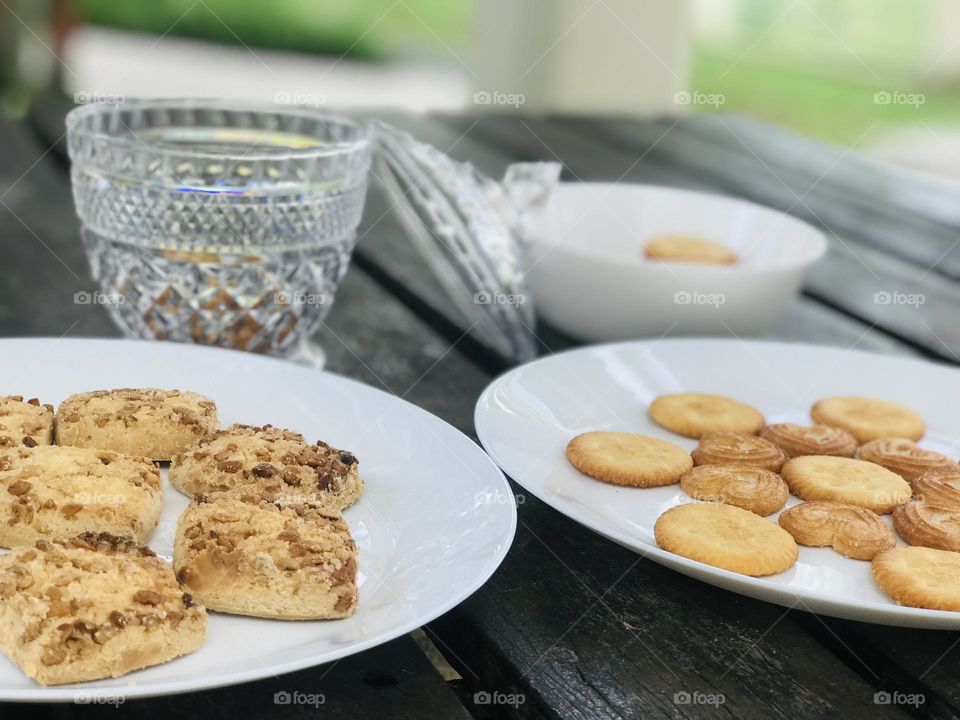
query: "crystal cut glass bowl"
218, 223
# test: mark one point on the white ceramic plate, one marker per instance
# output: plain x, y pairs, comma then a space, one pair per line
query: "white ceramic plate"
526, 417
437, 518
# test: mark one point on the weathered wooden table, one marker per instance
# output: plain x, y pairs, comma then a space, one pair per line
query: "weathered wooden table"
579, 626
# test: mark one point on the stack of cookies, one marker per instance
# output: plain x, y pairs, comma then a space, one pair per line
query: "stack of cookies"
857, 463
81, 494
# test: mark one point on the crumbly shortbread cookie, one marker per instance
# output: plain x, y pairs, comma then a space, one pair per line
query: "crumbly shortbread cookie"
851, 530
272, 462
57, 492
857, 482
868, 418
905, 458
156, 424
737, 449
796, 440
919, 577
760, 491
247, 557
696, 414
628, 459
921, 522
93, 607
940, 489
726, 537
25, 422
688, 249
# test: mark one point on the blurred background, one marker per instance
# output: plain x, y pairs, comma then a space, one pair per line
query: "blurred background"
880, 75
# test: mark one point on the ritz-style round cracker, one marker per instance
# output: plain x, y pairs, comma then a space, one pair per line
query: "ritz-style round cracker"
919, 577
688, 249
628, 459
698, 414
868, 418
857, 482
726, 537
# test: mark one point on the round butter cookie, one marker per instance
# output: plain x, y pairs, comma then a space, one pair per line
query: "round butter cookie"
921, 522
906, 458
629, 459
726, 537
688, 249
846, 480
852, 531
919, 577
697, 414
737, 449
760, 491
796, 440
869, 418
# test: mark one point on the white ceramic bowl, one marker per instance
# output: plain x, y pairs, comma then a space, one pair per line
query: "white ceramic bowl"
590, 278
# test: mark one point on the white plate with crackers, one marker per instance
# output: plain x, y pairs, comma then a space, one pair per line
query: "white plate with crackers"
434, 519
576, 430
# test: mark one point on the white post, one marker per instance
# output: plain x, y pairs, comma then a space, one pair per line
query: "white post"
581, 56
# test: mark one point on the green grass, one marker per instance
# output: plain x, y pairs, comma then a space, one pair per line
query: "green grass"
362, 28
838, 107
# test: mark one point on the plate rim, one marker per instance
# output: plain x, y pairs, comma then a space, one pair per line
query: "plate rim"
881, 614
77, 693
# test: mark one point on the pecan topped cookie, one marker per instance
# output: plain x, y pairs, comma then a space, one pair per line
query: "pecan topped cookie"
143, 423
93, 607
58, 492
25, 422
290, 562
271, 462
